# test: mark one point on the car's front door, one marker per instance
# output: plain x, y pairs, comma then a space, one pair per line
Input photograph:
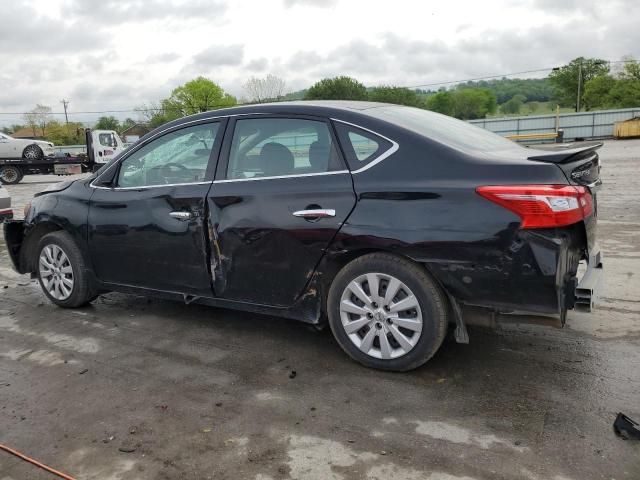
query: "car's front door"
146, 229
281, 193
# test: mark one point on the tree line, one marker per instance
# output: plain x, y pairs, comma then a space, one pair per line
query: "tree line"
582, 84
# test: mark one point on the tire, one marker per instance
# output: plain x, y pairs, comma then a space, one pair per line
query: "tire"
413, 335
67, 266
32, 152
10, 175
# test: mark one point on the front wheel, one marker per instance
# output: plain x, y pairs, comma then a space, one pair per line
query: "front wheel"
386, 312
32, 152
62, 271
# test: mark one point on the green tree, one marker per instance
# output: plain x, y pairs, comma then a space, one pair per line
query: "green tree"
196, 96
596, 91
513, 105
108, 123
153, 114
338, 88
566, 79
63, 134
127, 123
621, 90
471, 103
631, 69
441, 102
396, 95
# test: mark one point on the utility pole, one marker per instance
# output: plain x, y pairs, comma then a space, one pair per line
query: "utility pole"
65, 104
579, 86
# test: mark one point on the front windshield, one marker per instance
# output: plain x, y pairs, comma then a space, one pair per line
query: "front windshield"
443, 129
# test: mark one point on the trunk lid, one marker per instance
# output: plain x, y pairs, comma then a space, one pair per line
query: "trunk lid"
581, 165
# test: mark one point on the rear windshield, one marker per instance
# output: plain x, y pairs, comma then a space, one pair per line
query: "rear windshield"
441, 128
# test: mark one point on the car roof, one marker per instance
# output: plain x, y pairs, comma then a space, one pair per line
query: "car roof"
302, 107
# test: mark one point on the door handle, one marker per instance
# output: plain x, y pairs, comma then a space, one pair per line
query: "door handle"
315, 213
181, 215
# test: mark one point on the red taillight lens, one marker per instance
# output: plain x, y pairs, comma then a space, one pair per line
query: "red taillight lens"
542, 206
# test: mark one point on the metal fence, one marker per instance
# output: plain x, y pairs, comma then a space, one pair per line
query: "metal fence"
582, 125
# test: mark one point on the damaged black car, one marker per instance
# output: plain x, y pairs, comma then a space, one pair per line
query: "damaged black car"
389, 223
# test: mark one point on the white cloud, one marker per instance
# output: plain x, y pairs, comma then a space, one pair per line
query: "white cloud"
115, 55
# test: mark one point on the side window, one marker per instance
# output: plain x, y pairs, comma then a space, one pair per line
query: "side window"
107, 139
181, 156
268, 147
360, 146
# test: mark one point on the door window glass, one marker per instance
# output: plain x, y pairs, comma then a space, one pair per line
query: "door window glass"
181, 156
269, 147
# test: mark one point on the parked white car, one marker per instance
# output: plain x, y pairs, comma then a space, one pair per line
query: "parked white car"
24, 148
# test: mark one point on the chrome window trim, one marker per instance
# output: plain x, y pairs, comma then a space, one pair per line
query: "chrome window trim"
393, 149
275, 177
127, 153
144, 187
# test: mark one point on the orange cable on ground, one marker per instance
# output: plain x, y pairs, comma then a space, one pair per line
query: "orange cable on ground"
35, 462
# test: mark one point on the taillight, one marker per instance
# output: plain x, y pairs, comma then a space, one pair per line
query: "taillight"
542, 206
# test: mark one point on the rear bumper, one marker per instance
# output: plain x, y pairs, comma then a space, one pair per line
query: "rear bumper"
590, 285
534, 271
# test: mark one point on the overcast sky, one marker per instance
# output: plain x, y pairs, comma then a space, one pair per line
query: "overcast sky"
119, 54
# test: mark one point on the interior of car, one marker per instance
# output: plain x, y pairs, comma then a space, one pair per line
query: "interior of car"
277, 147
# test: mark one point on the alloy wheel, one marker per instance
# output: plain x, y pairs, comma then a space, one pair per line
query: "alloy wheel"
31, 153
381, 315
56, 272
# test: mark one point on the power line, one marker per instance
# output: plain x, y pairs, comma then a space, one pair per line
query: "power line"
449, 82
502, 75
479, 78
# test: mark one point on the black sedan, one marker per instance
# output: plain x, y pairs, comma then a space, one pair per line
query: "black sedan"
387, 222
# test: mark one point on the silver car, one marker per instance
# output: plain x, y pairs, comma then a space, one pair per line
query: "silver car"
5, 205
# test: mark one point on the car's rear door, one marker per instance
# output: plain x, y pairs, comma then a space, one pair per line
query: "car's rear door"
147, 227
281, 193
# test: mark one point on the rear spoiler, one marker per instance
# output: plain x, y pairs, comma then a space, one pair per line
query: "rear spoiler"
567, 155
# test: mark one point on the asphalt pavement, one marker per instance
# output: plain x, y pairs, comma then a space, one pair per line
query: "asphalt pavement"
138, 388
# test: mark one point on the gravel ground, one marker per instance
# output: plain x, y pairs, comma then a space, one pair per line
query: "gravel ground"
137, 388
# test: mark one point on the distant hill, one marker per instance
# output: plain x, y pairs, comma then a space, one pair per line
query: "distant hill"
534, 89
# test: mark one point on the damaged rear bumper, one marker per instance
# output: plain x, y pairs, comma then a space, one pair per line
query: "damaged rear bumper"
590, 284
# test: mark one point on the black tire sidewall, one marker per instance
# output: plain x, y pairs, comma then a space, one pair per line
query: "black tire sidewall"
80, 294
18, 175
430, 298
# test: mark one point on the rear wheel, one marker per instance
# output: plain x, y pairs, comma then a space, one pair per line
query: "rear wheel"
387, 313
62, 271
10, 175
32, 152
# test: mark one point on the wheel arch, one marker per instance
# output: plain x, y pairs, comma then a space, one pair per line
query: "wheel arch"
30, 244
333, 263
